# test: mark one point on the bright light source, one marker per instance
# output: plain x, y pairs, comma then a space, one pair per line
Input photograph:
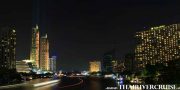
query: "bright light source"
45, 83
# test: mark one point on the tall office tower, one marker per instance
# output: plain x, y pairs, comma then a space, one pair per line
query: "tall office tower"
34, 54
44, 53
7, 48
52, 63
94, 66
109, 61
158, 45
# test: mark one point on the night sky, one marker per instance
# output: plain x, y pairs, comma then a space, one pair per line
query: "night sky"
82, 30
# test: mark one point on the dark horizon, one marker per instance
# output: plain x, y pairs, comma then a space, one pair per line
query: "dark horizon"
80, 31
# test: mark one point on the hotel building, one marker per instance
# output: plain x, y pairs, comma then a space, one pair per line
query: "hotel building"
157, 45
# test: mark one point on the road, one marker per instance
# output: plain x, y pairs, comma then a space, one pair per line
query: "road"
73, 83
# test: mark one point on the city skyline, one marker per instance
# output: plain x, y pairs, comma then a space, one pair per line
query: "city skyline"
90, 45
84, 31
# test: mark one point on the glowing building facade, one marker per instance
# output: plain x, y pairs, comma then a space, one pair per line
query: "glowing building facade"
157, 45
22, 67
7, 48
44, 53
95, 66
52, 63
34, 54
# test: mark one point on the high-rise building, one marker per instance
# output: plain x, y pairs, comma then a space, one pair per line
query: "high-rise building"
109, 61
22, 67
34, 54
52, 63
158, 45
44, 53
95, 66
7, 48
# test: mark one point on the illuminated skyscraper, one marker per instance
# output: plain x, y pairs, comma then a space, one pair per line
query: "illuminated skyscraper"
158, 45
95, 66
52, 63
34, 54
7, 48
44, 53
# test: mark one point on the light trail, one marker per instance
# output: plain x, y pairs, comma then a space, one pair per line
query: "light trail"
45, 83
11, 86
81, 81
